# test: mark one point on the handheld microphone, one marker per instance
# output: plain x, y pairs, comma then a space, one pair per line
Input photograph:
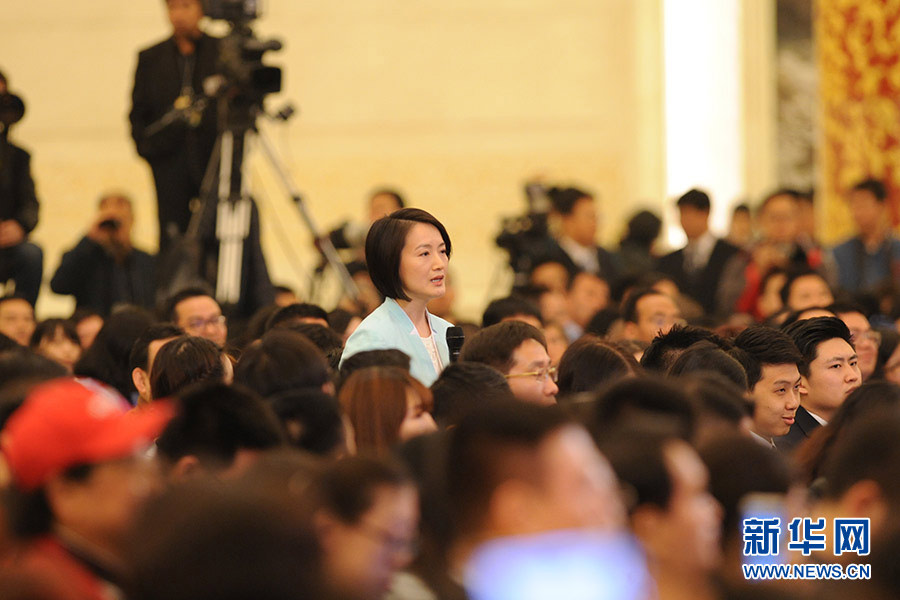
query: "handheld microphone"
455, 339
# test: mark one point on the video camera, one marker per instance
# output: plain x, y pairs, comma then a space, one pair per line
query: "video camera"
527, 237
244, 77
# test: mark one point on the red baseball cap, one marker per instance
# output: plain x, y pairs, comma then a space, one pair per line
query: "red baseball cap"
68, 422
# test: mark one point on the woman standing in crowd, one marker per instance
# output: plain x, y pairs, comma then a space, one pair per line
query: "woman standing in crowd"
407, 254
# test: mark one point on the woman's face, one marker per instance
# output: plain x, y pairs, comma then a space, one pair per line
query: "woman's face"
423, 263
59, 348
417, 420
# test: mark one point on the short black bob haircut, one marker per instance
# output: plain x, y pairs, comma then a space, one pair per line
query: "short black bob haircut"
384, 245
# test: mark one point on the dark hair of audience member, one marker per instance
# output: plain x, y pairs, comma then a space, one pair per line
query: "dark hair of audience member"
718, 400
20, 371
602, 321
82, 313
384, 245
510, 306
650, 399
139, 355
665, 348
348, 486
489, 447
463, 387
871, 397
339, 319
629, 304
760, 345
387, 191
889, 342
257, 325
389, 357
866, 451
564, 199
168, 310
636, 453
107, 358
844, 306
589, 363
739, 465
874, 186
793, 275
206, 541
809, 333
214, 421
325, 339
375, 400
706, 356
643, 229
296, 313
630, 350
494, 345
282, 360
50, 328
801, 315
184, 361
311, 421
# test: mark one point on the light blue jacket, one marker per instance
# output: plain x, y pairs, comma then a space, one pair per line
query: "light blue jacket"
390, 327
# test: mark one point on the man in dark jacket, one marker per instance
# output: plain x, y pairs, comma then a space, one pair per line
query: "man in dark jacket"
104, 269
697, 268
20, 260
170, 76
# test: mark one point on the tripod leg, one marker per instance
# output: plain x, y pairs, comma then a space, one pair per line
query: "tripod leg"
232, 219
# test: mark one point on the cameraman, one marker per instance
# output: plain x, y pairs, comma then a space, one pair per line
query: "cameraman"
169, 76
104, 269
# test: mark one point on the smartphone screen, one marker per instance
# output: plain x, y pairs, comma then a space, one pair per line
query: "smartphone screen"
574, 565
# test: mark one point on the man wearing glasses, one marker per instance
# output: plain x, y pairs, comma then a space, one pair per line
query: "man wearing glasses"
519, 351
865, 339
198, 313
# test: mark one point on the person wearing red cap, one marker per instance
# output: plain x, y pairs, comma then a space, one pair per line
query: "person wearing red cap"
79, 469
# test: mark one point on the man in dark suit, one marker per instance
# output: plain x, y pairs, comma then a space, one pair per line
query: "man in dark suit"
170, 76
697, 268
576, 248
828, 374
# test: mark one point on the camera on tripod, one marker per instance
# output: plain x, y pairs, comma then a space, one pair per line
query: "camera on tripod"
244, 76
526, 237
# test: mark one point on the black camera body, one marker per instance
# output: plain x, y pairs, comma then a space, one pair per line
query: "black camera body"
247, 79
232, 10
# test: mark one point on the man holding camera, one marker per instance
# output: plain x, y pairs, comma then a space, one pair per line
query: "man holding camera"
104, 269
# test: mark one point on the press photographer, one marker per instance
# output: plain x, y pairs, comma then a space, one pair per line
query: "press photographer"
167, 84
104, 268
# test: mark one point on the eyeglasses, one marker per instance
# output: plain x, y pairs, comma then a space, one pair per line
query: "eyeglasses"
541, 375
200, 324
387, 539
871, 336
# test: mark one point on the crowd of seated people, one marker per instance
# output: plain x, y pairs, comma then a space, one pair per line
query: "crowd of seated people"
601, 434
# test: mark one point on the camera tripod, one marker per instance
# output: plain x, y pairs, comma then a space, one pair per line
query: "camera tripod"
223, 233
